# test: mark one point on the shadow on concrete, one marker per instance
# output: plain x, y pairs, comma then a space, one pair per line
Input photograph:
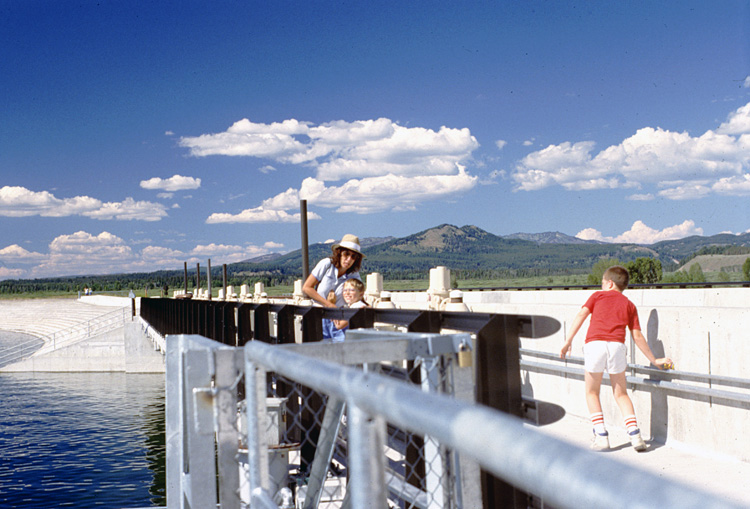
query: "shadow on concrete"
659, 403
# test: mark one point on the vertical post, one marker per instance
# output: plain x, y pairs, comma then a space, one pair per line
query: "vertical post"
186, 288
498, 386
366, 446
197, 278
305, 255
224, 271
227, 436
208, 277
255, 398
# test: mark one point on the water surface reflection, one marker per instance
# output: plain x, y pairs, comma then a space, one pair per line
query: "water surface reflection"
82, 440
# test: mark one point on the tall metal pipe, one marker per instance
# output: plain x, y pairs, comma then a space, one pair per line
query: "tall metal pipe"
305, 254
186, 286
197, 277
224, 270
209, 279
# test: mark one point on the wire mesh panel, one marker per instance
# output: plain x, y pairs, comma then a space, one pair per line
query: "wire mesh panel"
312, 428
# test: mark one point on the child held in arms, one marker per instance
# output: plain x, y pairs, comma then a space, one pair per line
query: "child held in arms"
354, 297
611, 315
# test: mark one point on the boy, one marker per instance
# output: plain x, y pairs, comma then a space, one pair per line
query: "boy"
611, 314
354, 297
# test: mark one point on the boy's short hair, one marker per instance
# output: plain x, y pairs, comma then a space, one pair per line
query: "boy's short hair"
618, 275
356, 283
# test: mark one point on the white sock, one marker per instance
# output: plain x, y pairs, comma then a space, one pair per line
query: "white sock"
597, 420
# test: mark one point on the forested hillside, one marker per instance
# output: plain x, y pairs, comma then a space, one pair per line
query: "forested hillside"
469, 252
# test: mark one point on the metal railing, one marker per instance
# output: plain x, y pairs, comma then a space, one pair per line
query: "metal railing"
649, 378
65, 337
204, 433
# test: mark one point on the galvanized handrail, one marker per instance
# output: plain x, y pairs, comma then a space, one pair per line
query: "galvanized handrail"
565, 476
562, 474
657, 378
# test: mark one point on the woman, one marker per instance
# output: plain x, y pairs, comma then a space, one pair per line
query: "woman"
330, 273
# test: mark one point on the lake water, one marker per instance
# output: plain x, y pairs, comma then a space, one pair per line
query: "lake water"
82, 440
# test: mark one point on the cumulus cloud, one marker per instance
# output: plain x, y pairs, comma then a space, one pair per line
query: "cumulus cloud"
361, 196
85, 253
18, 201
376, 161
389, 192
129, 210
16, 254
258, 215
172, 184
500, 144
680, 165
640, 233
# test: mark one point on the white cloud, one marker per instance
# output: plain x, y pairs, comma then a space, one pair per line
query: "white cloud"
16, 254
340, 149
173, 183
258, 215
266, 169
715, 162
129, 210
746, 83
82, 253
639, 233
641, 197
500, 144
738, 122
21, 202
383, 165
389, 192
8, 273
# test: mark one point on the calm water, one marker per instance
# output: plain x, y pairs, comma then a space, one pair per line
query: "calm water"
81, 440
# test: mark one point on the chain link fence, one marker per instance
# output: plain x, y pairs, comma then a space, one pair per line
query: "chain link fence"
419, 471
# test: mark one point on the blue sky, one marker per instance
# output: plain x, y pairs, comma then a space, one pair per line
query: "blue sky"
135, 136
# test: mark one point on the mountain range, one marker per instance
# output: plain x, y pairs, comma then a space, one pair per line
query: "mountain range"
472, 250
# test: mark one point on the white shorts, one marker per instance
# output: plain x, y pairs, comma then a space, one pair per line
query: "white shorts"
609, 356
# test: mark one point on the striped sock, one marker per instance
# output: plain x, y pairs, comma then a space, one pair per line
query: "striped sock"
631, 424
597, 419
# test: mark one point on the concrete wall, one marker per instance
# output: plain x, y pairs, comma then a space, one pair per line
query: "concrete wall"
126, 349
704, 331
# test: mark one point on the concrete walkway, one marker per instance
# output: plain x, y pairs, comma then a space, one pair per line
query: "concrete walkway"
726, 477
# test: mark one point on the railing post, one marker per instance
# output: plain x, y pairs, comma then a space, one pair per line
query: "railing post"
366, 456
255, 398
498, 385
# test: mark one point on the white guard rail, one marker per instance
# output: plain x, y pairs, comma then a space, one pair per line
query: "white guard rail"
202, 434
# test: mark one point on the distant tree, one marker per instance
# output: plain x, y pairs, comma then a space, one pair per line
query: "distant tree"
746, 270
597, 271
695, 274
724, 276
644, 270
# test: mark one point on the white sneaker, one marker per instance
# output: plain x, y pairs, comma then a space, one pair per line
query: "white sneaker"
637, 442
601, 441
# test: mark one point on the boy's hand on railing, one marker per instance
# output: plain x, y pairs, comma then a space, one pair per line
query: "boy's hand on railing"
565, 350
664, 363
